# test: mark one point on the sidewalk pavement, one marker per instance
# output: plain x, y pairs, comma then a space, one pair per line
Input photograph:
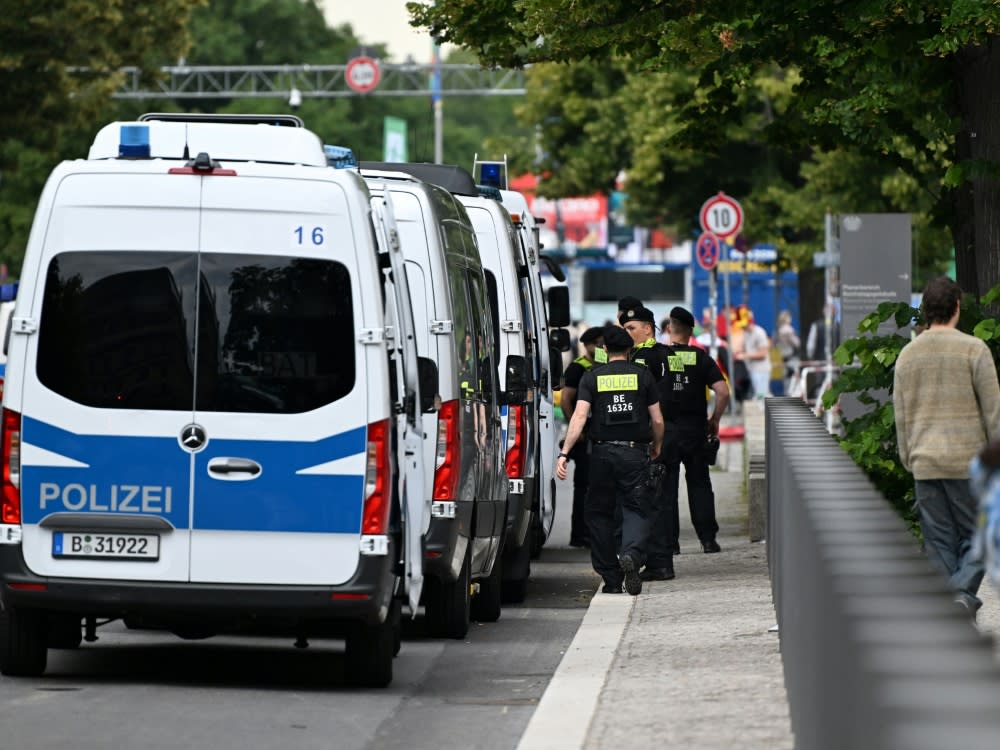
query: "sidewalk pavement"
693, 661
690, 661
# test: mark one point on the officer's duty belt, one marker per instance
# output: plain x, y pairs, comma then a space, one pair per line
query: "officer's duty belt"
624, 443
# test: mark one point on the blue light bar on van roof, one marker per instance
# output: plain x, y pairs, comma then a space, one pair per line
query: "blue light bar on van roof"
340, 157
133, 142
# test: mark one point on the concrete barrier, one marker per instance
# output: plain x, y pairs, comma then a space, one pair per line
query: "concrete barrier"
876, 654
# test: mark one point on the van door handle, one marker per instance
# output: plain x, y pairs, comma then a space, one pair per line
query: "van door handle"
233, 469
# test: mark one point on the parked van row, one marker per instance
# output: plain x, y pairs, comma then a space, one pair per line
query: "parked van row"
248, 392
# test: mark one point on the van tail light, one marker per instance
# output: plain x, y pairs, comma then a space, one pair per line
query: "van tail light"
375, 519
515, 442
10, 510
448, 459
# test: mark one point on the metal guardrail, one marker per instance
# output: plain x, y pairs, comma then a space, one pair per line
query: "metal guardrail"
876, 654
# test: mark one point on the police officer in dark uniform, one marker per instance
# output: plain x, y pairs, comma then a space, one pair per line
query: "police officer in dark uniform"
687, 429
647, 351
626, 431
591, 339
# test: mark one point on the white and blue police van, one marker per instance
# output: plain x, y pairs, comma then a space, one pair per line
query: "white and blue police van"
200, 427
513, 320
464, 466
550, 338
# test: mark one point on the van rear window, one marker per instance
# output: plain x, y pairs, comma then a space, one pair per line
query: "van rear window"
118, 331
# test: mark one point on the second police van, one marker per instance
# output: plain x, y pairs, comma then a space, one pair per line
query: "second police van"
211, 414
465, 471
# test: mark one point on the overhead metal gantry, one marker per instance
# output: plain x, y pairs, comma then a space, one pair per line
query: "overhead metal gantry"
316, 81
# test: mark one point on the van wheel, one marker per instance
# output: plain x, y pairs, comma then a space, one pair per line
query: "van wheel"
448, 607
370, 650
64, 632
536, 537
486, 604
515, 588
23, 652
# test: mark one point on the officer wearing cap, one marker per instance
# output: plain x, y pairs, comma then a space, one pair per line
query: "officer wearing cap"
627, 303
647, 351
591, 339
687, 428
626, 431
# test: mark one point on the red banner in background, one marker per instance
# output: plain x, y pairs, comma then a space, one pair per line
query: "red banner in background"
584, 219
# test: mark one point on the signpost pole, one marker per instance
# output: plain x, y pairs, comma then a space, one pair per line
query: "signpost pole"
727, 307
713, 307
723, 216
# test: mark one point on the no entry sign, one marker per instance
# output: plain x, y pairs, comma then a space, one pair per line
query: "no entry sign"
362, 74
721, 215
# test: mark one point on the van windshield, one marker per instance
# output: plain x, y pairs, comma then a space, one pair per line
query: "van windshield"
118, 330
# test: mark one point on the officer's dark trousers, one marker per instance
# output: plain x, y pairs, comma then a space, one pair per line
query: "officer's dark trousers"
617, 480
682, 445
581, 471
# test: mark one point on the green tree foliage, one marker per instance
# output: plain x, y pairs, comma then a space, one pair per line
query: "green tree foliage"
869, 361
909, 84
277, 32
48, 108
50, 111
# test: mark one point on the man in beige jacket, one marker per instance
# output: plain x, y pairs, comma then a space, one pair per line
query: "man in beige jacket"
947, 403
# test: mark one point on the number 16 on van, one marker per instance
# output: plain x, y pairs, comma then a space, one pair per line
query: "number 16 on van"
306, 236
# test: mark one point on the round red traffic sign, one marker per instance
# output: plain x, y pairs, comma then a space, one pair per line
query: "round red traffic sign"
362, 74
707, 251
721, 215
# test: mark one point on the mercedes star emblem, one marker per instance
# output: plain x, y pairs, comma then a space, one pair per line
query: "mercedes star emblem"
193, 438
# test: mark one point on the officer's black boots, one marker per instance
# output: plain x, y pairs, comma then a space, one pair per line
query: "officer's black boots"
633, 583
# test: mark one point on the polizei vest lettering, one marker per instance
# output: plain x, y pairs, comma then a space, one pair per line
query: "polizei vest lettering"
118, 498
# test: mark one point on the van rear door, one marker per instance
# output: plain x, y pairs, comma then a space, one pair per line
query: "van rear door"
415, 503
282, 394
104, 378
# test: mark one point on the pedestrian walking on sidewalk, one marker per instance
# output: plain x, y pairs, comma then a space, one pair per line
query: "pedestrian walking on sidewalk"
626, 431
690, 437
591, 339
947, 403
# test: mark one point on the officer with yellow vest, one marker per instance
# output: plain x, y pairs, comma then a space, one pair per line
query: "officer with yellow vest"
687, 431
591, 339
647, 351
626, 430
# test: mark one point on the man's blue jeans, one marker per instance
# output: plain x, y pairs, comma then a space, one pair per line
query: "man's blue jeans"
948, 512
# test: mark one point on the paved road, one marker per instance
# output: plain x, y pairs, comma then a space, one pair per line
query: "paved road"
153, 691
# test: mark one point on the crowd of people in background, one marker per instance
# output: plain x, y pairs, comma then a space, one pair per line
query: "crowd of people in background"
948, 437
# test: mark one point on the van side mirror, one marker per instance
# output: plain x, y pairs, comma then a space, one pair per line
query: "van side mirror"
559, 339
558, 299
553, 268
517, 377
427, 374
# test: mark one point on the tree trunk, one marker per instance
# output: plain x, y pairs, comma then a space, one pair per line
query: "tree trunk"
976, 203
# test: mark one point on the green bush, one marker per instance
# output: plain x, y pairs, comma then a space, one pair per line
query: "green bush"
868, 361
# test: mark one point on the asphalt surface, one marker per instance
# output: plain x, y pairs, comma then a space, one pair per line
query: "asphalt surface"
149, 690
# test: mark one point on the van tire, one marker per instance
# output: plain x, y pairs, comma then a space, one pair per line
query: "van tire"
515, 588
536, 537
486, 604
64, 631
23, 652
370, 650
448, 607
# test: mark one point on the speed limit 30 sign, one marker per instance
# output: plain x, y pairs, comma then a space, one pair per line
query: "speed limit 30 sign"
721, 215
